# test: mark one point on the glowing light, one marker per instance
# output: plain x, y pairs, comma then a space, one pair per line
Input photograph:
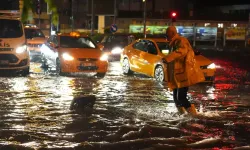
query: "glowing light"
67, 57
174, 14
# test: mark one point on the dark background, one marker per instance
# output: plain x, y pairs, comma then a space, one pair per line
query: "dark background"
9, 5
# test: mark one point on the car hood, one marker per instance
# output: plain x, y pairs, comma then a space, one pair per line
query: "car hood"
82, 52
37, 40
202, 60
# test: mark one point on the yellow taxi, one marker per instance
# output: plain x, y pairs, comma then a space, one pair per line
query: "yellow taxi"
145, 56
73, 53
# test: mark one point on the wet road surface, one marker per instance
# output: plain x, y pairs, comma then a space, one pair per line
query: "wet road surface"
129, 112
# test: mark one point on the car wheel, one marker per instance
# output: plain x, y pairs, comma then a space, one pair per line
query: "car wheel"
100, 75
44, 62
159, 74
126, 67
26, 72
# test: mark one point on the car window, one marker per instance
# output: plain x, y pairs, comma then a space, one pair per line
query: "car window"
50, 39
151, 48
109, 39
54, 40
141, 45
32, 33
163, 47
10, 28
76, 42
104, 40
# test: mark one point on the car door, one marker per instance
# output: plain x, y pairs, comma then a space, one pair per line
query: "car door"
149, 57
54, 49
138, 47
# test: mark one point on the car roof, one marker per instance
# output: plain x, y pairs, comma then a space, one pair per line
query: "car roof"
156, 39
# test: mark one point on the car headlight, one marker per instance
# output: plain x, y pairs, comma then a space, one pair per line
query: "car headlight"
67, 57
21, 49
104, 57
116, 50
211, 66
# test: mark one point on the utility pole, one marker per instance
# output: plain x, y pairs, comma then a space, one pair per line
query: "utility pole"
144, 20
39, 14
72, 15
92, 18
115, 11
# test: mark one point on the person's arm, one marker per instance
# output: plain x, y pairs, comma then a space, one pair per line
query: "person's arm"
179, 52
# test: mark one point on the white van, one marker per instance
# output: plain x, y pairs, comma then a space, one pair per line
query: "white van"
14, 54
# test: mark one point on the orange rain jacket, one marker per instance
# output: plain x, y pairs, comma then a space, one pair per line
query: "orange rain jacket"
182, 69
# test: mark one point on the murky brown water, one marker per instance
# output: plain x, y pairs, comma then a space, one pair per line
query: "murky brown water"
129, 113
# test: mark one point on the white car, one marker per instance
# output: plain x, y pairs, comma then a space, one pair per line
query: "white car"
13, 50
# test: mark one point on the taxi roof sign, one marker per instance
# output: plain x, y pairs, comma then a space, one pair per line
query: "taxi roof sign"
75, 33
30, 26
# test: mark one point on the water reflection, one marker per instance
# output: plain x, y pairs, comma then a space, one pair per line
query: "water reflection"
128, 111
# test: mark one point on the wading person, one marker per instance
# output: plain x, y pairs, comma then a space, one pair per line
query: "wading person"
182, 70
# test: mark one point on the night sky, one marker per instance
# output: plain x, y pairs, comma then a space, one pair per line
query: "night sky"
219, 2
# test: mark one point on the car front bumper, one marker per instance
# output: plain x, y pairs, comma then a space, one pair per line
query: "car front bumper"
85, 67
11, 61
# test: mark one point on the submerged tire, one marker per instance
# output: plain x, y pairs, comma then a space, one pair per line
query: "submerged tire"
159, 74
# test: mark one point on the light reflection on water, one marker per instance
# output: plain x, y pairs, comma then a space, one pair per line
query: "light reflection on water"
36, 109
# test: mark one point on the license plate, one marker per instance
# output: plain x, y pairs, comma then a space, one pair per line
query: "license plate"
87, 64
4, 62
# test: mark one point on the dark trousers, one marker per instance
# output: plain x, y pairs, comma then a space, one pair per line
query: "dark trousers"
180, 97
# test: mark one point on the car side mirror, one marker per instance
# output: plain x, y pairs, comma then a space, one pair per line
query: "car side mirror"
100, 46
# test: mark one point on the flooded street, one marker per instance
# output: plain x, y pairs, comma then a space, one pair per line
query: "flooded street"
129, 112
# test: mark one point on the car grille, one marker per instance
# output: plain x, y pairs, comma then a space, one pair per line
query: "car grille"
35, 45
10, 57
87, 59
204, 67
87, 68
6, 49
24, 62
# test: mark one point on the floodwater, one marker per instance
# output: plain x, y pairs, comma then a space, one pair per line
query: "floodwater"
128, 113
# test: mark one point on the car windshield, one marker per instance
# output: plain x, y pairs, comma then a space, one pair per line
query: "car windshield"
33, 33
10, 28
76, 42
164, 47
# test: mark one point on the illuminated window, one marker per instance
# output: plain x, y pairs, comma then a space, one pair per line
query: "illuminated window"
234, 25
220, 25
207, 24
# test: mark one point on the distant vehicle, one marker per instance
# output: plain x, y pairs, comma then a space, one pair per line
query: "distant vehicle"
35, 39
14, 54
145, 56
74, 53
114, 43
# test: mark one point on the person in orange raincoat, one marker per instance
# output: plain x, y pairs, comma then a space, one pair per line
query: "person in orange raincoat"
182, 70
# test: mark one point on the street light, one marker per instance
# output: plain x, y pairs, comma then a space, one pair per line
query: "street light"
145, 21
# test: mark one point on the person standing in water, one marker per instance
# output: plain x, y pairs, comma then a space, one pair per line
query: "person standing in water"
182, 70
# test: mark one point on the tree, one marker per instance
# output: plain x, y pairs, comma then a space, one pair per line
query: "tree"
30, 5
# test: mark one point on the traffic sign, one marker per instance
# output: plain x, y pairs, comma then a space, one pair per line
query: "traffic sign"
113, 28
